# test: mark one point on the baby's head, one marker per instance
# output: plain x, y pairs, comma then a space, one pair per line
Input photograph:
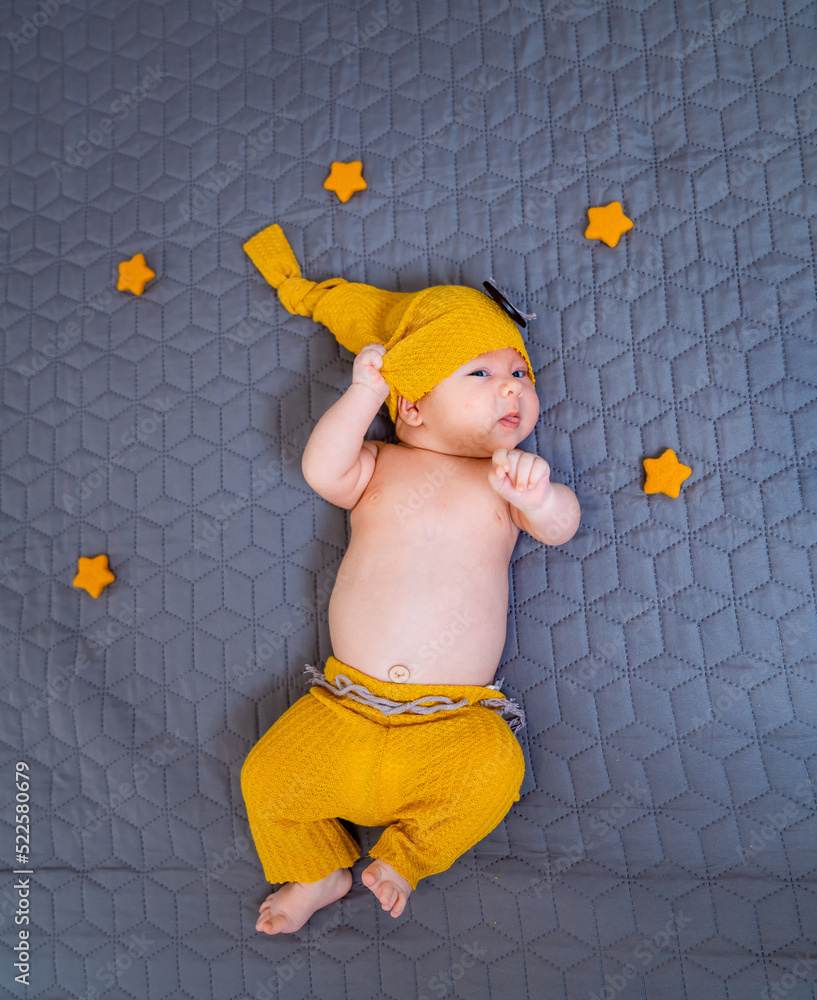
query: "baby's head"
461, 382
455, 361
487, 403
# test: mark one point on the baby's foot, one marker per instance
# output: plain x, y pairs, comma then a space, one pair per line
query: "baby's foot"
388, 885
289, 908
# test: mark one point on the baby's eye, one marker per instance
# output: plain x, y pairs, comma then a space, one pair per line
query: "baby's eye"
520, 373
479, 371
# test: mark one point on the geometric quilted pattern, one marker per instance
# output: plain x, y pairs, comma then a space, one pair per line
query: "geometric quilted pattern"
665, 843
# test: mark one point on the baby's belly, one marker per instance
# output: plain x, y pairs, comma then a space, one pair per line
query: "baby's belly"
447, 629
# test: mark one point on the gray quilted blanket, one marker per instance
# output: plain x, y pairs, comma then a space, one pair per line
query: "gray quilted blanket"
665, 843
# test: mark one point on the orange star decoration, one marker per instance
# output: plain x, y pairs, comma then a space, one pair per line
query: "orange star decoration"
94, 575
134, 274
665, 474
608, 223
345, 179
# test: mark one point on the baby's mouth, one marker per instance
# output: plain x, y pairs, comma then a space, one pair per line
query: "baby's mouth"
510, 421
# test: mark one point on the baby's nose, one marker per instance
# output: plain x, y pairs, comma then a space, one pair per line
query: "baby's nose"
508, 387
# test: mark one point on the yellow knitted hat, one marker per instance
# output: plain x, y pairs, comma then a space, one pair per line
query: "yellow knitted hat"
428, 335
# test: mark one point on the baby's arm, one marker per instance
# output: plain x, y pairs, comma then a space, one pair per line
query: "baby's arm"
337, 462
548, 511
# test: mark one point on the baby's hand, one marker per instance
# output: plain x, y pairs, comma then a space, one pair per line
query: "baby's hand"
366, 370
521, 478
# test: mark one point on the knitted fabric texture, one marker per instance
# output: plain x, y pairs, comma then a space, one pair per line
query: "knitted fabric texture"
428, 334
437, 783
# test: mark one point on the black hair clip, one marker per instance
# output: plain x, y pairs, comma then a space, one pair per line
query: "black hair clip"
503, 303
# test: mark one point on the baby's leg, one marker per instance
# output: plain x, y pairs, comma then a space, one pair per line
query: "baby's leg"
458, 776
293, 788
289, 908
391, 889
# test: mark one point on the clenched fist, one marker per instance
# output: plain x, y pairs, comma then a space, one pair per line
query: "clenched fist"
521, 478
366, 370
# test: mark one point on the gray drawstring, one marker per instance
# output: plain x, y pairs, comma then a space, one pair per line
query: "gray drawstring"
343, 687
510, 711
358, 692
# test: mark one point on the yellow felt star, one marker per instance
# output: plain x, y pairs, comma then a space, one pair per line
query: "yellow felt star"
608, 223
134, 274
665, 474
94, 575
345, 179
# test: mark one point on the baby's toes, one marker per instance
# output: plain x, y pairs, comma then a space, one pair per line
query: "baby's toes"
388, 895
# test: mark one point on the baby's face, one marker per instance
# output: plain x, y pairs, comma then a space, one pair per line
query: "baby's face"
487, 403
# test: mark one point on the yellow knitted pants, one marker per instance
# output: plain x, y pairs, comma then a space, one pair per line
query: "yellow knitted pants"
438, 783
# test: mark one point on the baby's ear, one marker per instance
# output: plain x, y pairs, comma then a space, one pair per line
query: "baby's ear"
408, 412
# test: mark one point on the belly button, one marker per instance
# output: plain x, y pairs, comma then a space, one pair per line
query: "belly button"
375, 496
399, 674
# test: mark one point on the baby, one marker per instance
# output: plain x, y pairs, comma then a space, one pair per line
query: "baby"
402, 731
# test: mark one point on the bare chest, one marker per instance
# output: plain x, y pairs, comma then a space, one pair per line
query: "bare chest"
417, 495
